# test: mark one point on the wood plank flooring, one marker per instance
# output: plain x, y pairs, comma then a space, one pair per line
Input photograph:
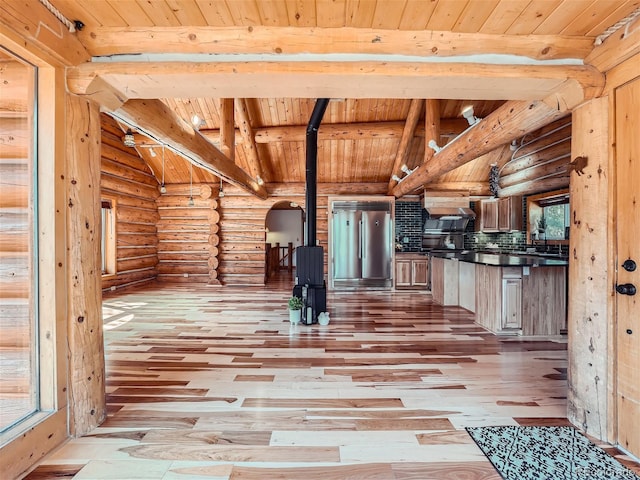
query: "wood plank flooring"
214, 383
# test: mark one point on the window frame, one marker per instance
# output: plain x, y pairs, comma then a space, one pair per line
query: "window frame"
535, 208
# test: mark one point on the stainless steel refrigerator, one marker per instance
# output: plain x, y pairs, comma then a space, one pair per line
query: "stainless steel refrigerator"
362, 243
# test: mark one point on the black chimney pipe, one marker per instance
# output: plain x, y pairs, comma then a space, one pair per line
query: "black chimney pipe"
312, 168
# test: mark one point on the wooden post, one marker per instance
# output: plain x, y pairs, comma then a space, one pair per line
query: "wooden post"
227, 129
290, 256
590, 275
87, 407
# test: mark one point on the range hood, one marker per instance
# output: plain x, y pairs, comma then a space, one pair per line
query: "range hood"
453, 213
444, 220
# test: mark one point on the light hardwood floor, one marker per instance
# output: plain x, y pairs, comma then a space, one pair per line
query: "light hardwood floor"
214, 383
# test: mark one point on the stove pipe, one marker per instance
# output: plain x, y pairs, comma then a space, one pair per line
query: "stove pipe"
312, 168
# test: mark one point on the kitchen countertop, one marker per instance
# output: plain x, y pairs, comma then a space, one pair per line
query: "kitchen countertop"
503, 260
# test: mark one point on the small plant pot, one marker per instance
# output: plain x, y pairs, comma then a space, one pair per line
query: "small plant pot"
295, 316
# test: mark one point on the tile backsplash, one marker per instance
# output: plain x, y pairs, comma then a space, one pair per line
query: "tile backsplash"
408, 218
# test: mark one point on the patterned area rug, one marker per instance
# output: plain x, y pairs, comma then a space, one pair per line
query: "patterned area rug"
547, 453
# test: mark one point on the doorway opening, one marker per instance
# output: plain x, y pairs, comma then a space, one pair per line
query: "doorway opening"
284, 227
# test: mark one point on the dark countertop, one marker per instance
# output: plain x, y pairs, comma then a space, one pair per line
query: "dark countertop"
503, 260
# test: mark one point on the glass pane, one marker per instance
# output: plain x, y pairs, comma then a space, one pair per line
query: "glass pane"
555, 221
18, 327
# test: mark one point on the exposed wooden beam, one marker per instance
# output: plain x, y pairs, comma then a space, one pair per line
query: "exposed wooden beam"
449, 127
251, 152
30, 24
257, 39
415, 109
158, 120
477, 189
227, 128
620, 46
510, 121
535, 186
334, 79
431, 127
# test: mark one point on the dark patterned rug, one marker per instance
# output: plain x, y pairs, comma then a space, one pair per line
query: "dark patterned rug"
547, 453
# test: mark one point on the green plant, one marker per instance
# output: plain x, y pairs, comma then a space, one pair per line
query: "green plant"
295, 303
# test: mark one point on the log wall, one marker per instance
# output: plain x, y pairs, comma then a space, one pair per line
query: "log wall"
127, 178
540, 163
188, 235
242, 225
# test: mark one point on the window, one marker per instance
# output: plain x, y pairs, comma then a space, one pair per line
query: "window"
556, 218
19, 352
108, 244
548, 217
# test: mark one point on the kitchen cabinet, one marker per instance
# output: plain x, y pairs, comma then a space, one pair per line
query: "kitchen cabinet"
412, 271
511, 300
489, 215
509, 214
499, 299
500, 214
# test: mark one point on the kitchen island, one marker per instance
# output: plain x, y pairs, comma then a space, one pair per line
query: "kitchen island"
510, 294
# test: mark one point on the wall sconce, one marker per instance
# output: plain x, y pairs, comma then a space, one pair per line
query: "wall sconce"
396, 178
406, 169
467, 113
128, 139
197, 122
434, 146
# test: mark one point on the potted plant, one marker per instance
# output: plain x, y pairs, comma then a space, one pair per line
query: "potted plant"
295, 309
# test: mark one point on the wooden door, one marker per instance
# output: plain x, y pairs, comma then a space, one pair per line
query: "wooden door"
628, 248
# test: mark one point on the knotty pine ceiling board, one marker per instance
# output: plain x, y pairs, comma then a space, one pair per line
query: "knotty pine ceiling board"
472, 18
503, 16
543, 17
532, 16
274, 14
160, 12
445, 15
187, 12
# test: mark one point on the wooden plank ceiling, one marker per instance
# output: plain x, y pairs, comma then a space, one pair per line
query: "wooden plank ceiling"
359, 137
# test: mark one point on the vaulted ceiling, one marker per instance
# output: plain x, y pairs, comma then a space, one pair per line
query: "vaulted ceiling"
374, 58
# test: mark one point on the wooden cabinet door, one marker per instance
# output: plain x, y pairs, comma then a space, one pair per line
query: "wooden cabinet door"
403, 273
504, 214
489, 215
510, 214
511, 303
419, 273
627, 106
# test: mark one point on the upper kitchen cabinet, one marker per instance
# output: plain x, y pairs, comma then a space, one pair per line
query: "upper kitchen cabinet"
500, 215
510, 214
488, 216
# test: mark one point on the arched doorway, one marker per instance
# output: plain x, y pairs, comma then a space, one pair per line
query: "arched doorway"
284, 227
